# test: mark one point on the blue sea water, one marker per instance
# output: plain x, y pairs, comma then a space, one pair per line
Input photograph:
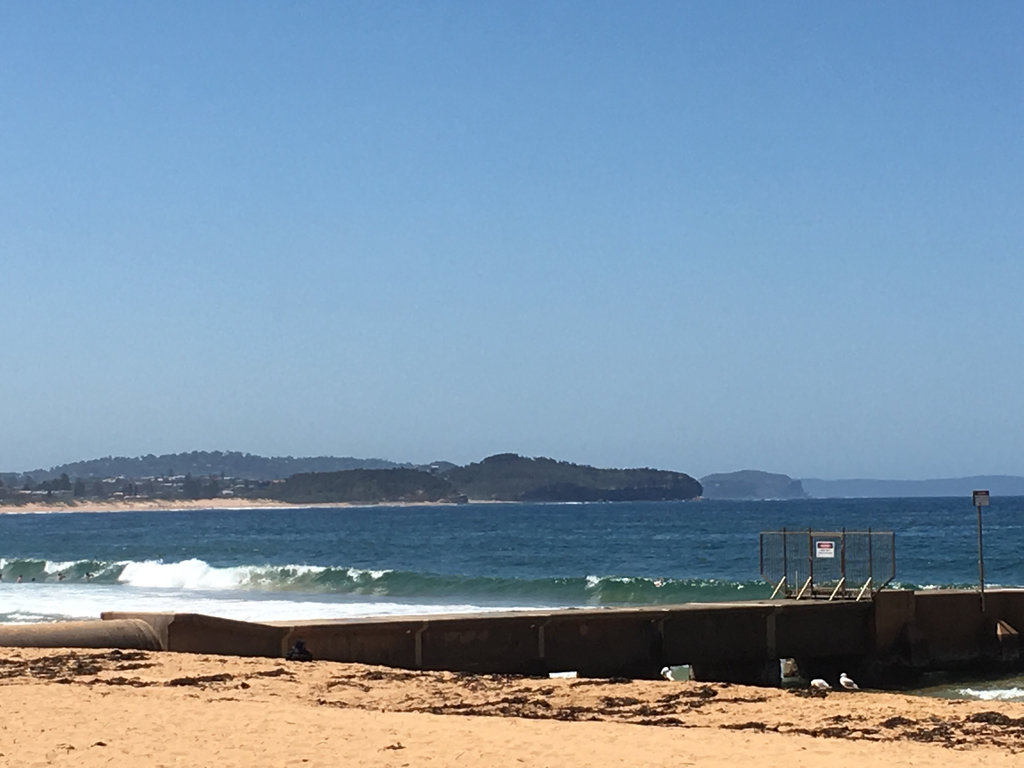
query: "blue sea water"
262, 563
280, 564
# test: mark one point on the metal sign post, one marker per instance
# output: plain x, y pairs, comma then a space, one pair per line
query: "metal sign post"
980, 499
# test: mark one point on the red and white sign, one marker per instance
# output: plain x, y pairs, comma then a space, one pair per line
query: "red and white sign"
824, 549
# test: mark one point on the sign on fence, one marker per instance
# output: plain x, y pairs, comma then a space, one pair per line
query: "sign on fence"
828, 564
824, 549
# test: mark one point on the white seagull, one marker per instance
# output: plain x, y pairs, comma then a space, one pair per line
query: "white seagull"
847, 682
666, 672
821, 685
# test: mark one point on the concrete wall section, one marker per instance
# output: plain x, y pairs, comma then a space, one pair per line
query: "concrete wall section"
952, 625
805, 630
197, 633
386, 643
1006, 605
893, 612
716, 633
603, 643
510, 645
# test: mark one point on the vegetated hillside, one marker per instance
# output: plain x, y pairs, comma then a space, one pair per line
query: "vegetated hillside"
505, 477
510, 477
246, 466
363, 486
751, 484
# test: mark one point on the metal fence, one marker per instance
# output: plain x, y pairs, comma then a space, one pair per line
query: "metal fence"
832, 564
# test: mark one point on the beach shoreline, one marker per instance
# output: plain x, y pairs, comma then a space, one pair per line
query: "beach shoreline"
225, 504
96, 707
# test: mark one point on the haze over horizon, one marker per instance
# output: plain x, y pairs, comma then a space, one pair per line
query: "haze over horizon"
697, 237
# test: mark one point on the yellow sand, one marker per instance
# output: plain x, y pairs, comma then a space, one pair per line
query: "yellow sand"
142, 505
91, 708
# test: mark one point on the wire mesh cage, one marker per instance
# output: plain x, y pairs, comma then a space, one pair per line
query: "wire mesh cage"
831, 564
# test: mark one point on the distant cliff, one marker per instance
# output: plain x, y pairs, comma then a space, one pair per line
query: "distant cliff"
510, 477
751, 484
999, 485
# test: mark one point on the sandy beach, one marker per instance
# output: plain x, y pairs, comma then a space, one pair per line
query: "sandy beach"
92, 708
155, 505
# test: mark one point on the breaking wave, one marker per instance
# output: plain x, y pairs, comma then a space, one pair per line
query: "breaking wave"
195, 574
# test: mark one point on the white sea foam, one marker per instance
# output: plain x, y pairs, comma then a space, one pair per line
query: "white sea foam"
270, 575
45, 601
356, 573
57, 567
996, 694
197, 574
187, 574
21, 617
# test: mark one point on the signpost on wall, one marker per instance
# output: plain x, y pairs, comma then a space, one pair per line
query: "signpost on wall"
980, 499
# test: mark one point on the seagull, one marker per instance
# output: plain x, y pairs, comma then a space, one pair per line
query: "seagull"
821, 685
847, 682
666, 672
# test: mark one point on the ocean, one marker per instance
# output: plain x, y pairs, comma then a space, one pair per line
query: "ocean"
263, 564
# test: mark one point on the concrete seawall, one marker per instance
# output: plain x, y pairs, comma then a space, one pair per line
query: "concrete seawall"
883, 641
722, 641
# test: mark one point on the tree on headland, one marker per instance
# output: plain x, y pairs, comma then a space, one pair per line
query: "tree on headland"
210, 489
234, 464
190, 489
363, 486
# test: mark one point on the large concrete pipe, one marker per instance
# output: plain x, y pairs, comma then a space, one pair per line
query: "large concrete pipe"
133, 634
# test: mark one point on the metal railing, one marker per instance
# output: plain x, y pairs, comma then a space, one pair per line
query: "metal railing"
829, 564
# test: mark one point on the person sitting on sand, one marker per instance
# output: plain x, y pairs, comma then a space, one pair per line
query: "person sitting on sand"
299, 652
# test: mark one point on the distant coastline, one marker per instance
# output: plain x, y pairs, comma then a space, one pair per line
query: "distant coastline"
177, 505
231, 479
241, 479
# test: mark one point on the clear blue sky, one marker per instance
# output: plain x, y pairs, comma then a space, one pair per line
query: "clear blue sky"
695, 236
